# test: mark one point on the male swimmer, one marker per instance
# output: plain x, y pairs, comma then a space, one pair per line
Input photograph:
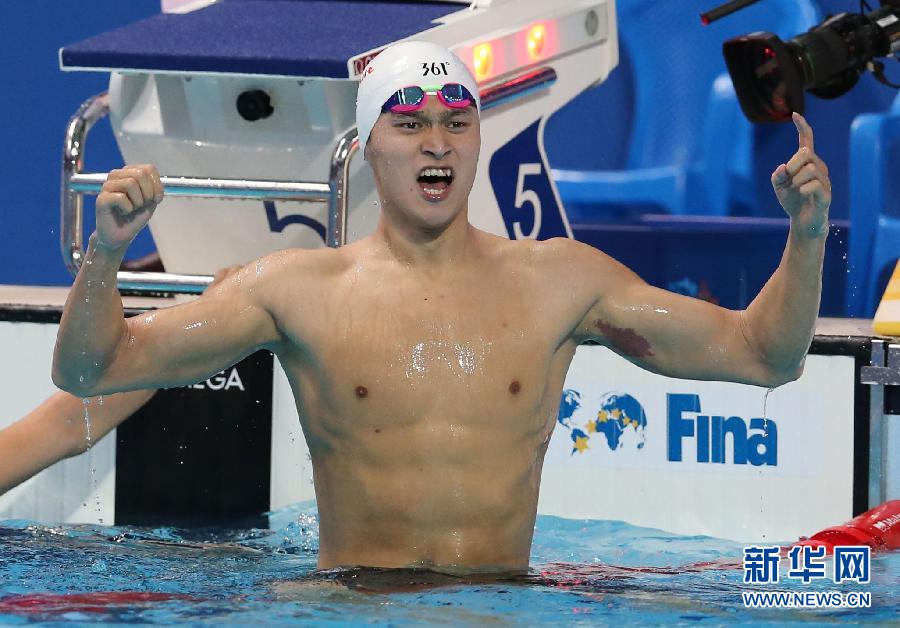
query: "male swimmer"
427, 360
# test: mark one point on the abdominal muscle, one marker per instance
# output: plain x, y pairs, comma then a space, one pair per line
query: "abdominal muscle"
449, 503
442, 475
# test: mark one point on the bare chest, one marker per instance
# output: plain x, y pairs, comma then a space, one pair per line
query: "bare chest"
402, 358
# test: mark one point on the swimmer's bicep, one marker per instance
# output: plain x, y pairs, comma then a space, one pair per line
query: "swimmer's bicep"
675, 335
187, 343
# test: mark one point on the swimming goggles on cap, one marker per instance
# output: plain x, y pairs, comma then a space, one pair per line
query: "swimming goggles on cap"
412, 98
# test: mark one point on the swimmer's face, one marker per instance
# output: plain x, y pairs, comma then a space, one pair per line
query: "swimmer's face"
402, 146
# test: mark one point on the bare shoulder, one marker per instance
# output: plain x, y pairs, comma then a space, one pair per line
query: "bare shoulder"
556, 256
297, 267
279, 278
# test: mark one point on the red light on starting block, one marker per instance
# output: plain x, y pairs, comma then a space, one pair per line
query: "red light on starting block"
537, 35
482, 59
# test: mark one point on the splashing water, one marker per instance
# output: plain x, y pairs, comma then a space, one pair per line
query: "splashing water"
90, 451
87, 420
765, 418
765, 414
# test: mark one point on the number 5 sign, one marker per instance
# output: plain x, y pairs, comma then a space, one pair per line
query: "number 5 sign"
525, 195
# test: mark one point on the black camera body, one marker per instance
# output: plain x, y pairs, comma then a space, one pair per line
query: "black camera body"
770, 75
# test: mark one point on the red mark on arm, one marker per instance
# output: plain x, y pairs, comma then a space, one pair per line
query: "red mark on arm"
626, 341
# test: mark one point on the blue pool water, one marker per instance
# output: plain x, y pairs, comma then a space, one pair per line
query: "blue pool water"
614, 573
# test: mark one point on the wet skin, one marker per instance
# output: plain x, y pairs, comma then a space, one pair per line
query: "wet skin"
427, 360
438, 463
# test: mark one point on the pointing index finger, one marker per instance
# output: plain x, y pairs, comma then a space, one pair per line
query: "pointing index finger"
804, 132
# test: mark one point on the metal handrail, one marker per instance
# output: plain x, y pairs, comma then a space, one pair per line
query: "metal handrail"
75, 184
231, 189
71, 236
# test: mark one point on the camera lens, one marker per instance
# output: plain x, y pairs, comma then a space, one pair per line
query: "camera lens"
767, 76
770, 75
254, 105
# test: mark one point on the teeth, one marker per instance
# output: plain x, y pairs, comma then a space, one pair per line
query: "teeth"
436, 172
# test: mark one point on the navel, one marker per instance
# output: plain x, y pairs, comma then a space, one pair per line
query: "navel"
361, 391
515, 387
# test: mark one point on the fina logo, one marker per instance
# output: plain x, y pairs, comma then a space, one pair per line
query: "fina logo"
618, 416
757, 444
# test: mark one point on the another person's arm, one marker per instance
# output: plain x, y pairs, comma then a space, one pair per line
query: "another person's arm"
56, 429
679, 336
98, 351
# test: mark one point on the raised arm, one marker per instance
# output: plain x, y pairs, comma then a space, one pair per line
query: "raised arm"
679, 336
98, 351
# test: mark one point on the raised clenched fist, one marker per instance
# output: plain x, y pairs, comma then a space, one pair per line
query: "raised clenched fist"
125, 204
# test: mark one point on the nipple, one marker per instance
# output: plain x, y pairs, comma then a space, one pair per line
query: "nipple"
361, 391
515, 387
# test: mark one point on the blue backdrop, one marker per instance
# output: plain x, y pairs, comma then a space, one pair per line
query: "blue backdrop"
36, 100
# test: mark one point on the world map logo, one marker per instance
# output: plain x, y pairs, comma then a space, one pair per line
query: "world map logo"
617, 414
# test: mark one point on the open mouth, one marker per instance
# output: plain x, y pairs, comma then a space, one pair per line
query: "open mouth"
435, 182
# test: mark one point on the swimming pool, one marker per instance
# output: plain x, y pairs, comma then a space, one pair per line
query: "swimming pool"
615, 573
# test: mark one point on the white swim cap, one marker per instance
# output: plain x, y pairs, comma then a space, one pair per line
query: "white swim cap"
408, 63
